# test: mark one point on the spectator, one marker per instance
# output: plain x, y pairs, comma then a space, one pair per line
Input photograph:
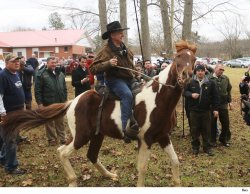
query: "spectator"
59, 66
163, 66
25, 74
33, 62
148, 71
90, 59
201, 94
12, 98
113, 55
138, 67
224, 87
50, 87
80, 77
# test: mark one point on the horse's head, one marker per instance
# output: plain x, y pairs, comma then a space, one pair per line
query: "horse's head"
184, 60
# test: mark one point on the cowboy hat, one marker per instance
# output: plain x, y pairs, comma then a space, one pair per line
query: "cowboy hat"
112, 27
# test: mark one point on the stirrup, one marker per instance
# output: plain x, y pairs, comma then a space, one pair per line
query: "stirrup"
132, 132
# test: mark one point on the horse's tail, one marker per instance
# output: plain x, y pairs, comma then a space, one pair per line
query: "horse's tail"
28, 119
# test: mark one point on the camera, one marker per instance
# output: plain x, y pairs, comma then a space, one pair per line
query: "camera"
247, 77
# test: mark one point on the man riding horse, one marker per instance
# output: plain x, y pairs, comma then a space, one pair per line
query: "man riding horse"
114, 53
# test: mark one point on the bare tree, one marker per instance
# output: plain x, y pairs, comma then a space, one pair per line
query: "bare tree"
102, 15
123, 18
166, 28
187, 20
145, 30
231, 32
21, 28
157, 40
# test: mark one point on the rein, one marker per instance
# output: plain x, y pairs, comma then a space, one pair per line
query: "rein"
179, 80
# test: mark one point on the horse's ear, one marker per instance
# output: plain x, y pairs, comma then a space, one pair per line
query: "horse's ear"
183, 44
180, 45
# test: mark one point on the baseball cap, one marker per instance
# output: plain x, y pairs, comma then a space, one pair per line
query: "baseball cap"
11, 57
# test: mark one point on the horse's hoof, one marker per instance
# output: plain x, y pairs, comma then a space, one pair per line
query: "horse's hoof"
177, 183
73, 184
113, 176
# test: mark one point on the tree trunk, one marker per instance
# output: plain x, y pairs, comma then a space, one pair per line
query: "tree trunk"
187, 20
166, 28
145, 30
103, 16
123, 19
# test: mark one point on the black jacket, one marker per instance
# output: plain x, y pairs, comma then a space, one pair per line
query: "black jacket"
77, 75
33, 62
208, 95
26, 77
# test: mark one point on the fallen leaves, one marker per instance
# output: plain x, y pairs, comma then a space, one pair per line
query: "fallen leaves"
27, 183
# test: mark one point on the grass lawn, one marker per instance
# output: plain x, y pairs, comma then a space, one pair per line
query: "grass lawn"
230, 167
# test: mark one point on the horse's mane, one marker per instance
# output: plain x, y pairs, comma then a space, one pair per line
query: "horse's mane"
182, 44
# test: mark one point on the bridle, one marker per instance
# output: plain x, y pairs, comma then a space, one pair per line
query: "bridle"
180, 81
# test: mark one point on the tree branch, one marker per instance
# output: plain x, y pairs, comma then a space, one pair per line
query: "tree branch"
72, 9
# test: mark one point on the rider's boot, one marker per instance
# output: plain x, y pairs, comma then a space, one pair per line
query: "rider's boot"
132, 131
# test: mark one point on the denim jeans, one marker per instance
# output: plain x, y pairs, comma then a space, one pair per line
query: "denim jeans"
121, 88
8, 152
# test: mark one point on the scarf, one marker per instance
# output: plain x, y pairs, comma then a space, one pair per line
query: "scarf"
120, 51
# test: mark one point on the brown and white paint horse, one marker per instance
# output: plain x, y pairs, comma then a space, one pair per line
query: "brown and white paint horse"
154, 111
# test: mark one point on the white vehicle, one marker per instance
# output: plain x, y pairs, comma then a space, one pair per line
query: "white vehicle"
214, 61
137, 58
42, 62
2, 64
201, 60
154, 60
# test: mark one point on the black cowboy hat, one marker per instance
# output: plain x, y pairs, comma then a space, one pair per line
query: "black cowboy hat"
112, 27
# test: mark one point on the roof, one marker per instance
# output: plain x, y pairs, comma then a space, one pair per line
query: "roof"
41, 38
2, 44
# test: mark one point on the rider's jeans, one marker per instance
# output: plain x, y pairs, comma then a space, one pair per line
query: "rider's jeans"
121, 88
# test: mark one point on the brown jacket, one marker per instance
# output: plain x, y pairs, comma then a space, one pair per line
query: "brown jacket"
101, 64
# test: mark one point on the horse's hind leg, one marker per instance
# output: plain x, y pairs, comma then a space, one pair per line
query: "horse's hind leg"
64, 152
143, 157
169, 149
93, 151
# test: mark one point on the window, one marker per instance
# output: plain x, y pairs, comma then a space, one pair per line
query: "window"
19, 54
36, 53
66, 49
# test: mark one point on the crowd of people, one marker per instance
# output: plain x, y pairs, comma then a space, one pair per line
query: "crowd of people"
208, 94
16, 81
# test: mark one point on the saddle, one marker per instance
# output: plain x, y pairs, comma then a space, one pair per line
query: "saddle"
105, 94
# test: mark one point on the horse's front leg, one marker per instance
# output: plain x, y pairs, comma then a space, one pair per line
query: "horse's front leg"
174, 162
143, 157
